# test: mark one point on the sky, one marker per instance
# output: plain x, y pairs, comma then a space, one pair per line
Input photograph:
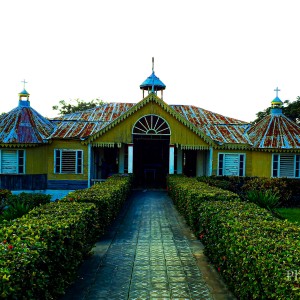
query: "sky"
223, 56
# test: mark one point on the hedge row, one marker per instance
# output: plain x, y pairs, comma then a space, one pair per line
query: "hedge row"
287, 188
40, 252
257, 254
108, 197
188, 193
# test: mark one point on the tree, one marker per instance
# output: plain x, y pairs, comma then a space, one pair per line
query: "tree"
75, 105
290, 110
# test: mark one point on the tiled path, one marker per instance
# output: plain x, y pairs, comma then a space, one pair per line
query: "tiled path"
148, 254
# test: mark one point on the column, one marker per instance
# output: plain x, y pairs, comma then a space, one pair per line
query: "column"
171, 159
130, 158
179, 160
89, 164
200, 163
210, 161
121, 160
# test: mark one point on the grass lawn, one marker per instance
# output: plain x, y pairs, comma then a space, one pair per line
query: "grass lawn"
292, 214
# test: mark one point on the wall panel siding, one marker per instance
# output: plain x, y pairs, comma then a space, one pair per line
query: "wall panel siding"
23, 182
67, 184
261, 164
36, 160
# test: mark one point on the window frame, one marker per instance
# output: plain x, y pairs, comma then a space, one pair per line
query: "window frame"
276, 170
241, 163
59, 160
20, 157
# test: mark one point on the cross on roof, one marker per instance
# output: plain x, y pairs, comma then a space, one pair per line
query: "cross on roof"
152, 64
277, 90
24, 83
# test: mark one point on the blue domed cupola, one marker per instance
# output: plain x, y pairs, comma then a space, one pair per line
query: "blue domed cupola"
24, 96
153, 84
276, 104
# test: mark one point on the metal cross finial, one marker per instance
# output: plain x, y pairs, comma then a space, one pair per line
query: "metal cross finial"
152, 64
277, 90
24, 83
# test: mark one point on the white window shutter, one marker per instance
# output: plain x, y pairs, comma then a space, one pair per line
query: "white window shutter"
9, 162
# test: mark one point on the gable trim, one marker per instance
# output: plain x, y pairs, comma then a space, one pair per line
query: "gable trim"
139, 105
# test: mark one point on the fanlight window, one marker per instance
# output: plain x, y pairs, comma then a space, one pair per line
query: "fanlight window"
151, 124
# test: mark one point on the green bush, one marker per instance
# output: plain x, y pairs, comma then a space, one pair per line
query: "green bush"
287, 188
254, 251
108, 196
4, 194
15, 206
189, 193
41, 251
15, 210
30, 199
264, 199
251, 249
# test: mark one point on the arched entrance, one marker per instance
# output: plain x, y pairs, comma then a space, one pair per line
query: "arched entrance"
151, 139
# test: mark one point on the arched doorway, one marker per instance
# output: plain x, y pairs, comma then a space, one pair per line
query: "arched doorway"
151, 139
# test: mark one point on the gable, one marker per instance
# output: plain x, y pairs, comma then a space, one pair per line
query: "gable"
182, 132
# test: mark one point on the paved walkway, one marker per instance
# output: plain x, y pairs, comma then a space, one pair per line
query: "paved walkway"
148, 254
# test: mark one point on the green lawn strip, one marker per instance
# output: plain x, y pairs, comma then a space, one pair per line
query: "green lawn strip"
291, 214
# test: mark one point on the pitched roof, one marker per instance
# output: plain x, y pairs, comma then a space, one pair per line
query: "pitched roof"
24, 125
275, 131
223, 130
80, 125
219, 128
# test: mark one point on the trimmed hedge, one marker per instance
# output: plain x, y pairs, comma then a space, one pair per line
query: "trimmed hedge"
40, 252
254, 251
108, 196
188, 193
287, 188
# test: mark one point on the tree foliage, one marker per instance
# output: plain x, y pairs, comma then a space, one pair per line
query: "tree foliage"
291, 109
75, 105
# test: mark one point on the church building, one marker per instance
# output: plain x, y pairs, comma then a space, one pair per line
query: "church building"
150, 139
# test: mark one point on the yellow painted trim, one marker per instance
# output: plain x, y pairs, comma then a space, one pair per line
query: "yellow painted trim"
23, 145
151, 98
192, 147
106, 144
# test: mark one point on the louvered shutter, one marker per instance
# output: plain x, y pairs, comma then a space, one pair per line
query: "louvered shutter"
231, 164
9, 162
68, 162
287, 165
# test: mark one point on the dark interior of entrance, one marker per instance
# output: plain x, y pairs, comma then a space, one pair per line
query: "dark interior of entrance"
151, 160
106, 162
189, 162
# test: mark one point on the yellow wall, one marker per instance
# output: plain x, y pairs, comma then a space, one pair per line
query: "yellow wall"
257, 163
66, 144
248, 161
261, 164
122, 132
36, 160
